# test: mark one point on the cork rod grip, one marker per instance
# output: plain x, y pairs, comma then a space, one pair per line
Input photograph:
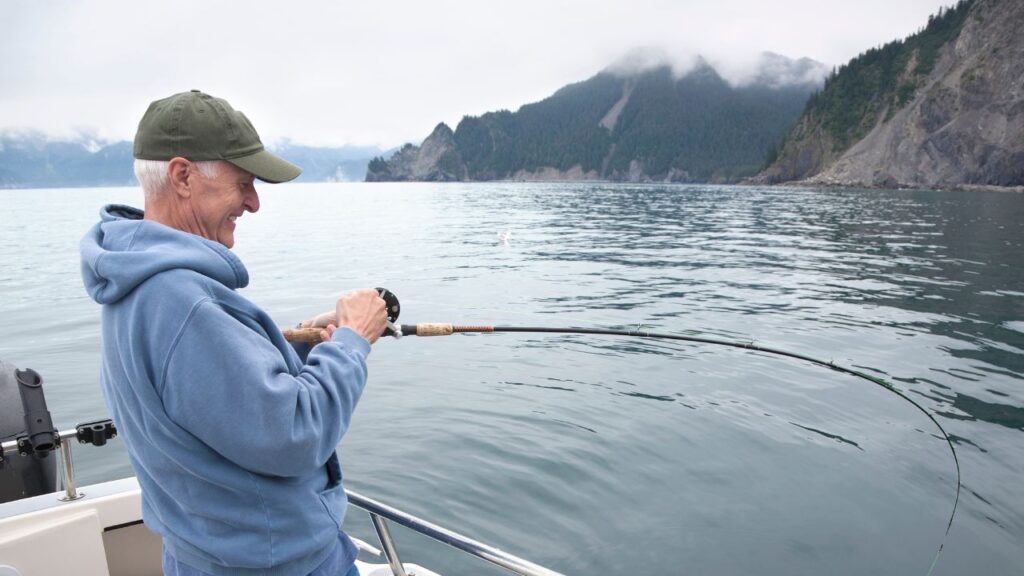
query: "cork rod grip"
308, 335
434, 329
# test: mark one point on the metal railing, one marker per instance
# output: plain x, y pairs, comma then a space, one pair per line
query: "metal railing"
379, 512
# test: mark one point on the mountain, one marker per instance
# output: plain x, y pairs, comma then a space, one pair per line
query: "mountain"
435, 160
627, 123
941, 108
339, 164
34, 161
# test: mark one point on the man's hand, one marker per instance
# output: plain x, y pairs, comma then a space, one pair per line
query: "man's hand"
321, 320
327, 332
364, 312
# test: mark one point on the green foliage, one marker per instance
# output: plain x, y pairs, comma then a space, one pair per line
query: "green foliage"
940, 30
698, 124
378, 165
450, 165
878, 80
561, 131
702, 125
905, 93
771, 156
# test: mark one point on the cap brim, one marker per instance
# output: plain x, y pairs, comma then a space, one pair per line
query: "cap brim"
267, 167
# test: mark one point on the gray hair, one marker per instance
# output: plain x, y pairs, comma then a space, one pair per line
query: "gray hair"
153, 178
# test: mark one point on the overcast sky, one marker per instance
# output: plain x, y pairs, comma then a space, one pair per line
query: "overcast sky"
381, 72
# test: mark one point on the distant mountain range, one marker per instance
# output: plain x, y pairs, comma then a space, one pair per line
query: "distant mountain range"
35, 161
635, 121
941, 108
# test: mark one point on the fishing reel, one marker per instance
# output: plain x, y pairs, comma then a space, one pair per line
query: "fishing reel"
393, 308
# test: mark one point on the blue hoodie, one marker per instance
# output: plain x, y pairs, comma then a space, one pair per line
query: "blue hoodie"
230, 431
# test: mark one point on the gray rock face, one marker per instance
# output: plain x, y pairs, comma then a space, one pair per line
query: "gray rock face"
436, 160
964, 126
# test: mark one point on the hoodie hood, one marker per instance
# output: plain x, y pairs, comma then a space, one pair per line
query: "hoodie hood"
123, 250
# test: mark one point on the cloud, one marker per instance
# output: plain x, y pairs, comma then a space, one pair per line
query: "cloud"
773, 70
383, 72
766, 68
645, 58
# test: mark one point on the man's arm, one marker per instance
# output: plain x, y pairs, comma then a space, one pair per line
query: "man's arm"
230, 387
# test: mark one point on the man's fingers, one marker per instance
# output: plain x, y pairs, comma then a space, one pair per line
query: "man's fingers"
364, 311
328, 332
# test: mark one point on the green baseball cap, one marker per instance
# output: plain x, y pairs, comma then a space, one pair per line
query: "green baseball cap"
198, 127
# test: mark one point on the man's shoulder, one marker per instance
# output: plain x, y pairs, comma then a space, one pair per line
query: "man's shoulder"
176, 279
184, 288
180, 286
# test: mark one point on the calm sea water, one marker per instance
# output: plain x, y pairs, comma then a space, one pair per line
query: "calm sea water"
614, 456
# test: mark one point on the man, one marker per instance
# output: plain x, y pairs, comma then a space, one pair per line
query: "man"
231, 431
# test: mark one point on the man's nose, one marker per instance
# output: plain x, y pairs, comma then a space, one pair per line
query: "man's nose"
252, 200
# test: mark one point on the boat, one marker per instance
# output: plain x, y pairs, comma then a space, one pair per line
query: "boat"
99, 527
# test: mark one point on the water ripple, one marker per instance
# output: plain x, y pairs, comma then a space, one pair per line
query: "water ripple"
622, 455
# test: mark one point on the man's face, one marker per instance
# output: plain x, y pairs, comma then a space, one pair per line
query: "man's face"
220, 200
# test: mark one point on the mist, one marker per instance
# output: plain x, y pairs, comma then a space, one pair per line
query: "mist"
766, 68
386, 73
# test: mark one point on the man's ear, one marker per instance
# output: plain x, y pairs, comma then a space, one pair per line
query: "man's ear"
180, 173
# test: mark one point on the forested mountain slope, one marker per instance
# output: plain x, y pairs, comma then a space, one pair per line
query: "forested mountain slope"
944, 107
649, 125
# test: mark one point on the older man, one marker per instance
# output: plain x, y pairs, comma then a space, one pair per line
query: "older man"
231, 431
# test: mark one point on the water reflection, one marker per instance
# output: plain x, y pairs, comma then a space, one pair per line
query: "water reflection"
569, 449
835, 437
921, 287
974, 409
940, 264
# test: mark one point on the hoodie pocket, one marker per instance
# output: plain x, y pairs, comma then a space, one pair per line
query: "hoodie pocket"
333, 496
334, 501
333, 471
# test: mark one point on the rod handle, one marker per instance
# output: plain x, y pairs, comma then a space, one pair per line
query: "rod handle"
312, 335
307, 335
434, 329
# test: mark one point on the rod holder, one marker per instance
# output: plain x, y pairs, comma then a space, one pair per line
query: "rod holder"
71, 493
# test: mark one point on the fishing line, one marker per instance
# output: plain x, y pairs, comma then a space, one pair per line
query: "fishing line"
312, 335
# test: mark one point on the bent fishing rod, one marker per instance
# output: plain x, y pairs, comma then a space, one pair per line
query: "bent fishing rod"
393, 308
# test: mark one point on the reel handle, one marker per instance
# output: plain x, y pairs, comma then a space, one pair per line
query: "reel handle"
312, 335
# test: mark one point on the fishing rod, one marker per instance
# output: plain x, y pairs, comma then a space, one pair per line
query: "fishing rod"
393, 308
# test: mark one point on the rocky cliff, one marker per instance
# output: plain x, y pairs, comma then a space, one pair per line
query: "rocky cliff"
436, 160
943, 108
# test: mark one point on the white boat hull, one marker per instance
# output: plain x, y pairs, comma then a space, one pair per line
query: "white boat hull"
100, 534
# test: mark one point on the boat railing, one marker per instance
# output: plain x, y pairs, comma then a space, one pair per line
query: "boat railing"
380, 513
97, 434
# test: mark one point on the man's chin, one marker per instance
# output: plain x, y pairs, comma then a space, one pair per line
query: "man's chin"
227, 235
